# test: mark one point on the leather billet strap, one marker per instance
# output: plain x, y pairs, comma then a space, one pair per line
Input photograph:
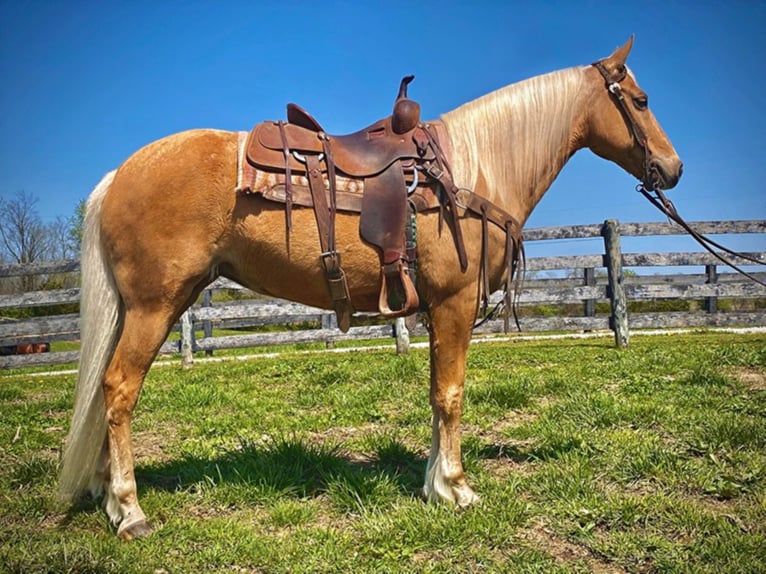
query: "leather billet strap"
330, 258
288, 178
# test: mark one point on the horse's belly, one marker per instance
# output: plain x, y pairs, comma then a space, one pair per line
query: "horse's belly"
268, 259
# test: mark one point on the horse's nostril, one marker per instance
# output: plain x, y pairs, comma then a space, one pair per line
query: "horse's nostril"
680, 168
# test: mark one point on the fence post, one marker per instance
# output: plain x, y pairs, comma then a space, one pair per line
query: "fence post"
329, 321
589, 280
187, 340
711, 303
613, 259
402, 335
207, 324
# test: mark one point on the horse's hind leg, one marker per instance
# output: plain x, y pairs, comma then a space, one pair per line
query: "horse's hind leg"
142, 335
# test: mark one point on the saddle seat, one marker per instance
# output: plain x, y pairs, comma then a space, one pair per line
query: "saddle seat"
364, 153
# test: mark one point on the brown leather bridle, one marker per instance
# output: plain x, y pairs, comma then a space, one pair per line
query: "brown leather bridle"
652, 178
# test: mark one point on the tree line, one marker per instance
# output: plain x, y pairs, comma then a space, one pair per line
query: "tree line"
26, 238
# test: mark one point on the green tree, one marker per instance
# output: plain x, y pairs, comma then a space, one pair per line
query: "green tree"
75, 226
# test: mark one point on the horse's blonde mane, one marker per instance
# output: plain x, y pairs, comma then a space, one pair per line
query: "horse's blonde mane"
520, 135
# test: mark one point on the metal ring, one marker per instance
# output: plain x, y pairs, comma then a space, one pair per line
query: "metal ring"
302, 158
414, 183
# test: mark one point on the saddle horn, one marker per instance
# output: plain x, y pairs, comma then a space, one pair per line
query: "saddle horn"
406, 115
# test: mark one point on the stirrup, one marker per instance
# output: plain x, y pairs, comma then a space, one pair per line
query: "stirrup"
398, 271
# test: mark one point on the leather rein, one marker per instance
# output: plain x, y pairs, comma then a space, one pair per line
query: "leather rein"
655, 195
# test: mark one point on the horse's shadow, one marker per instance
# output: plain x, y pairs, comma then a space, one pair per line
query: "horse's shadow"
290, 466
294, 467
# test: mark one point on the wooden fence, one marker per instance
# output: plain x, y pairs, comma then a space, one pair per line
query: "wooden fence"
584, 280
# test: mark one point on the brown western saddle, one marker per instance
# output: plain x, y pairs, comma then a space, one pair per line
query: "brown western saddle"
386, 172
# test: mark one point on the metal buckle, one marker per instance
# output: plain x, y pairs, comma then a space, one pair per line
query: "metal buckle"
330, 261
434, 171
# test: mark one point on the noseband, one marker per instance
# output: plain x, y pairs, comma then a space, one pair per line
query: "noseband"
651, 177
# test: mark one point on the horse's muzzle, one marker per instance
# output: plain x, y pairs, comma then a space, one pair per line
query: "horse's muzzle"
664, 173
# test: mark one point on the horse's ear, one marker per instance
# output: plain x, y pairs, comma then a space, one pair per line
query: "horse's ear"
616, 62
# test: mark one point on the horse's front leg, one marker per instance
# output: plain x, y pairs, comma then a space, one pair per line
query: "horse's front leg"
450, 334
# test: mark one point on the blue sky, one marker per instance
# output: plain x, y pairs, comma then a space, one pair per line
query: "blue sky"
84, 84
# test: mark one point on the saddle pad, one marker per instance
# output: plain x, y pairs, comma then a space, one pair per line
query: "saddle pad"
271, 185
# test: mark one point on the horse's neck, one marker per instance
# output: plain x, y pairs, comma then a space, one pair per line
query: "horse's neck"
510, 145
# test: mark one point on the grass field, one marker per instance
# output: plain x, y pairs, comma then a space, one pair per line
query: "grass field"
588, 459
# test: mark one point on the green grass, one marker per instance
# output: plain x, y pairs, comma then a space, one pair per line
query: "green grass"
650, 459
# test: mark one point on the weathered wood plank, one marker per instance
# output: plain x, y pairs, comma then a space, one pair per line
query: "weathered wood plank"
535, 324
40, 268
706, 227
40, 298
645, 229
749, 290
559, 283
40, 326
688, 258
562, 295
293, 337
224, 283
564, 262
265, 309
697, 319
55, 328
689, 278
664, 320
38, 359
170, 348
564, 232
255, 322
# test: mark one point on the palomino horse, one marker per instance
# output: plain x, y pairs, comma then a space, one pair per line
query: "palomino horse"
168, 222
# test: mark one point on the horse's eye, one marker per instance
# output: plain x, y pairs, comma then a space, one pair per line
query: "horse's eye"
641, 103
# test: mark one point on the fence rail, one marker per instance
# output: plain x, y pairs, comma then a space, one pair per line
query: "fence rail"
588, 280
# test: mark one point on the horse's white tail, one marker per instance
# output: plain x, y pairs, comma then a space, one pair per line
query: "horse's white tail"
99, 324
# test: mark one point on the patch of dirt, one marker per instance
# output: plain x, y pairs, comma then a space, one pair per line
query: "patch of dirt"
514, 419
505, 467
753, 379
565, 552
151, 445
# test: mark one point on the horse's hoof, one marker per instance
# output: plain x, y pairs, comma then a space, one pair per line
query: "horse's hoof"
138, 530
